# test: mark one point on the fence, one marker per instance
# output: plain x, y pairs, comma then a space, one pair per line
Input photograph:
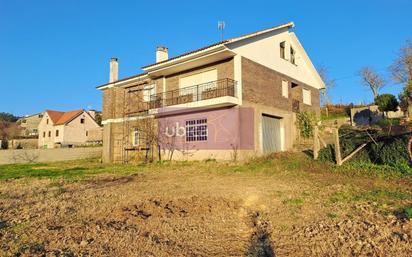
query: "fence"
48, 155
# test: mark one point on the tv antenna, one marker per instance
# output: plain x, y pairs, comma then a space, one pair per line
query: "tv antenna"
221, 27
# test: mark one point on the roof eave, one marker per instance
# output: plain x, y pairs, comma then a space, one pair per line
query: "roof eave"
123, 81
185, 58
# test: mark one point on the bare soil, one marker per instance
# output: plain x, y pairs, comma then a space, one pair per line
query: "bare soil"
207, 209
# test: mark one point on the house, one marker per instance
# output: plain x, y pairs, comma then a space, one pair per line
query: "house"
29, 124
67, 129
231, 99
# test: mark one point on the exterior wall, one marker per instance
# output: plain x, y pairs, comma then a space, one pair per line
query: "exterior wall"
75, 132
25, 143
262, 85
225, 69
265, 50
30, 125
288, 130
46, 141
48, 155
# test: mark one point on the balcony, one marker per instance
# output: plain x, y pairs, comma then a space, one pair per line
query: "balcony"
201, 95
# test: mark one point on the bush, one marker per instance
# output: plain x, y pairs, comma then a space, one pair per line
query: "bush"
389, 150
305, 122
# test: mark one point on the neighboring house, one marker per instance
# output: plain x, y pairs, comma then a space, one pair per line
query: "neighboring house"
67, 129
232, 99
29, 125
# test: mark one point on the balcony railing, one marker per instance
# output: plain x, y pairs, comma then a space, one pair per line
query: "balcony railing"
209, 90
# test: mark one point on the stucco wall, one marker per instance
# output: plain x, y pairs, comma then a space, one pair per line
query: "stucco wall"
48, 155
265, 50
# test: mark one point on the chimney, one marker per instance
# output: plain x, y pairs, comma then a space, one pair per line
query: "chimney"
161, 54
114, 70
92, 113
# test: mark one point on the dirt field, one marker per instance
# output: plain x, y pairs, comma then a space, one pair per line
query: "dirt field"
286, 205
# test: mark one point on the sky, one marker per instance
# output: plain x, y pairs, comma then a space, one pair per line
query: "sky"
53, 54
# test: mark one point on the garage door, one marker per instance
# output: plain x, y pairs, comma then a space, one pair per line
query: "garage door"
271, 134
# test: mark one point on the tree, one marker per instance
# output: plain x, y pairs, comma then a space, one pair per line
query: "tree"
372, 80
4, 116
329, 84
401, 71
98, 118
386, 103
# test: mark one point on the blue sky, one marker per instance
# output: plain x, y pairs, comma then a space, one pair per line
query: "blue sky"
54, 53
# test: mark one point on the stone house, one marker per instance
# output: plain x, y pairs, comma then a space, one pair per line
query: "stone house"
68, 129
29, 125
232, 99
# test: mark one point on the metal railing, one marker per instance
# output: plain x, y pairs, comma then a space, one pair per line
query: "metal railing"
209, 90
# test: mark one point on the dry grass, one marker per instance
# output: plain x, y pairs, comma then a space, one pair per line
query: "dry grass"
286, 205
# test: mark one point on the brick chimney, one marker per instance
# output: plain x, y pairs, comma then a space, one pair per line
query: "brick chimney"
161, 54
114, 70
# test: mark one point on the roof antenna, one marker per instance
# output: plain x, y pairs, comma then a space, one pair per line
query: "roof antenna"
221, 27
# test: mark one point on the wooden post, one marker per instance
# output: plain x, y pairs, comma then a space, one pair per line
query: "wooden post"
338, 155
316, 145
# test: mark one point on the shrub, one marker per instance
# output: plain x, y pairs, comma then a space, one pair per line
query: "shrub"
305, 122
388, 150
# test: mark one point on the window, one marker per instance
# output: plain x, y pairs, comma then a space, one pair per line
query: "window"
40, 116
285, 88
148, 92
135, 137
57, 133
34, 130
306, 97
49, 133
87, 133
196, 130
47, 121
44, 133
282, 50
82, 120
24, 121
292, 55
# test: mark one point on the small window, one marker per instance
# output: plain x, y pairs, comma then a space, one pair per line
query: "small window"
24, 121
135, 137
44, 133
292, 55
87, 133
40, 116
49, 133
35, 130
57, 133
196, 130
306, 97
82, 121
282, 50
285, 88
47, 121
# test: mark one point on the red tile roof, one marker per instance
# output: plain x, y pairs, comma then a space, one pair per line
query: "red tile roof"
60, 118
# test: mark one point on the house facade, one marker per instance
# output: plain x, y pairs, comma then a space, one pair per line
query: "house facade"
232, 99
67, 129
29, 125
